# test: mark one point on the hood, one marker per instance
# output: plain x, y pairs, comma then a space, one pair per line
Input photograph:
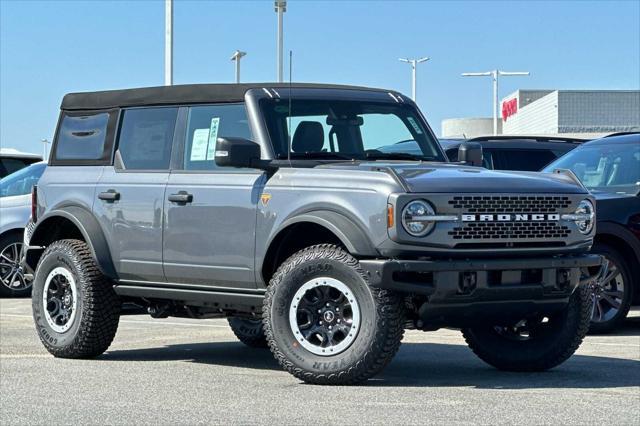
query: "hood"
443, 177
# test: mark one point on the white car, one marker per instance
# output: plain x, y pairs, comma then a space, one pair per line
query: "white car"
15, 210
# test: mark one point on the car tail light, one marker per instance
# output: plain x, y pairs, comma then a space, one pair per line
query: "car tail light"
34, 203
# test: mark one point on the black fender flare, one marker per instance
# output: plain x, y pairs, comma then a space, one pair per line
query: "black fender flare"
352, 236
90, 229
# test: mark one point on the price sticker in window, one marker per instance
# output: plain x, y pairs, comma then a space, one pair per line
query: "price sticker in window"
213, 137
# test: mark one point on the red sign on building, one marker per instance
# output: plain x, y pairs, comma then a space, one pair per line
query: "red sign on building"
509, 108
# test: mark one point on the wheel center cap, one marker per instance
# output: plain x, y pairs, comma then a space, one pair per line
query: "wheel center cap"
329, 316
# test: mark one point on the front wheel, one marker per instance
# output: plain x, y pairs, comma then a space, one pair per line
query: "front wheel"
611, 291
536, 343
325, 324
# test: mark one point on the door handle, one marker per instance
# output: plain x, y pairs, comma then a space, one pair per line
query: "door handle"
109, 196
181, 197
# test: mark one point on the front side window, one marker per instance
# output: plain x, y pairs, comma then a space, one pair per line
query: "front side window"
20, 182
348, 130
82, 137
613, 167
207, 123
145, 138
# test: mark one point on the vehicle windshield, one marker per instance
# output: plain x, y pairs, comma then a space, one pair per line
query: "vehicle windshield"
20, 182
346, 130
613, 167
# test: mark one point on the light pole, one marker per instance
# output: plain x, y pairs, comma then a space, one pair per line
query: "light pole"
414, 64
168, 42
237, 55
495, 74
45, 142
281, 7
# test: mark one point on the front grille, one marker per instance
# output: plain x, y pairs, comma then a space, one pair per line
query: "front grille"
510, 203
509, 231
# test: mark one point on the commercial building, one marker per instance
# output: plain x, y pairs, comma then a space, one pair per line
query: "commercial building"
579, 113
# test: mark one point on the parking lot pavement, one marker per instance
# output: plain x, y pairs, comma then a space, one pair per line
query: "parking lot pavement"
194, 372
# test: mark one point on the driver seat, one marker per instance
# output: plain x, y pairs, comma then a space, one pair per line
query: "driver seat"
309, 137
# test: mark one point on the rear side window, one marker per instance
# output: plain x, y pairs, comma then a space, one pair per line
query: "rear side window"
205, 124
145, 138
11, 165
84, 138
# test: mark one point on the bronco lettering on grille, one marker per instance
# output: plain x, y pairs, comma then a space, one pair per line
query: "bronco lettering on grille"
508, 217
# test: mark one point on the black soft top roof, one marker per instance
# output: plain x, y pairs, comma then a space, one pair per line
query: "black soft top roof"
181, 94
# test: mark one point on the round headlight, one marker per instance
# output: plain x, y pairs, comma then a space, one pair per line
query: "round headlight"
414, 218
586, 216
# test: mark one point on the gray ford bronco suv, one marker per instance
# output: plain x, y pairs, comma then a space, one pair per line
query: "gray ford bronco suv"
271, 205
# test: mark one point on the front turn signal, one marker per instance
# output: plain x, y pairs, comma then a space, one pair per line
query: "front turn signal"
390, 216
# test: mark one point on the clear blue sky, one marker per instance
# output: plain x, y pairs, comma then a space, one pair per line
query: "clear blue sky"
49, 48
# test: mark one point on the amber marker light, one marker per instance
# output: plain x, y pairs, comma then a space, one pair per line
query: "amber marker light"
390, 217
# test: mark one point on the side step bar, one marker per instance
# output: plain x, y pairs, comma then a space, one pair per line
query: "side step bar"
250, 301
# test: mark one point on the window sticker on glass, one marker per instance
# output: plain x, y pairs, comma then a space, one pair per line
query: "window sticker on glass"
213, 137
199, 145
414, 125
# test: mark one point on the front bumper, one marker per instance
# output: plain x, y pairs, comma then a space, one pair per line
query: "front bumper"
459, 290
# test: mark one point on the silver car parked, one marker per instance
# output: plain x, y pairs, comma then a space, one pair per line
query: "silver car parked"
15, 209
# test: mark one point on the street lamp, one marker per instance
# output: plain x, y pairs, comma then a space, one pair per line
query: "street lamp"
45, 142
495, 74
414, 64
281, 7
237, 55
168, 42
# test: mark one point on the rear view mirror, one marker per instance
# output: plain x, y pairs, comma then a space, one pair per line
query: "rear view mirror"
470, 153
237, 152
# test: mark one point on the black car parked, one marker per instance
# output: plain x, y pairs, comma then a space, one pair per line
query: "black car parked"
610, 169
526, 153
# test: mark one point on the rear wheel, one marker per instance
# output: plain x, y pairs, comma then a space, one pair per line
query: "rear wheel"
536, 343
249, 331
12, 279
75, 308
325, 324
611, 292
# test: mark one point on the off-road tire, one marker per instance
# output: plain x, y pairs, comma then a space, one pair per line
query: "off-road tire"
249, 331
382, 314
98, 306
537, 354
625, 269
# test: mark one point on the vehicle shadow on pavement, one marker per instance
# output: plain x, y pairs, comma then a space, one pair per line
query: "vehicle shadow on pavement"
232, 354
417, 365
434, 365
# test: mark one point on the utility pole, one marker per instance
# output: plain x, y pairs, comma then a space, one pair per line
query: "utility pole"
414, 65
495, 74
281, 7
168, 42
237, 55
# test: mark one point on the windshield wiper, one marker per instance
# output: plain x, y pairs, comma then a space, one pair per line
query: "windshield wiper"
316, 156
396, 156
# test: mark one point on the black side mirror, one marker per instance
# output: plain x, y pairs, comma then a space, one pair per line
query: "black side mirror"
470, 153
237, 152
